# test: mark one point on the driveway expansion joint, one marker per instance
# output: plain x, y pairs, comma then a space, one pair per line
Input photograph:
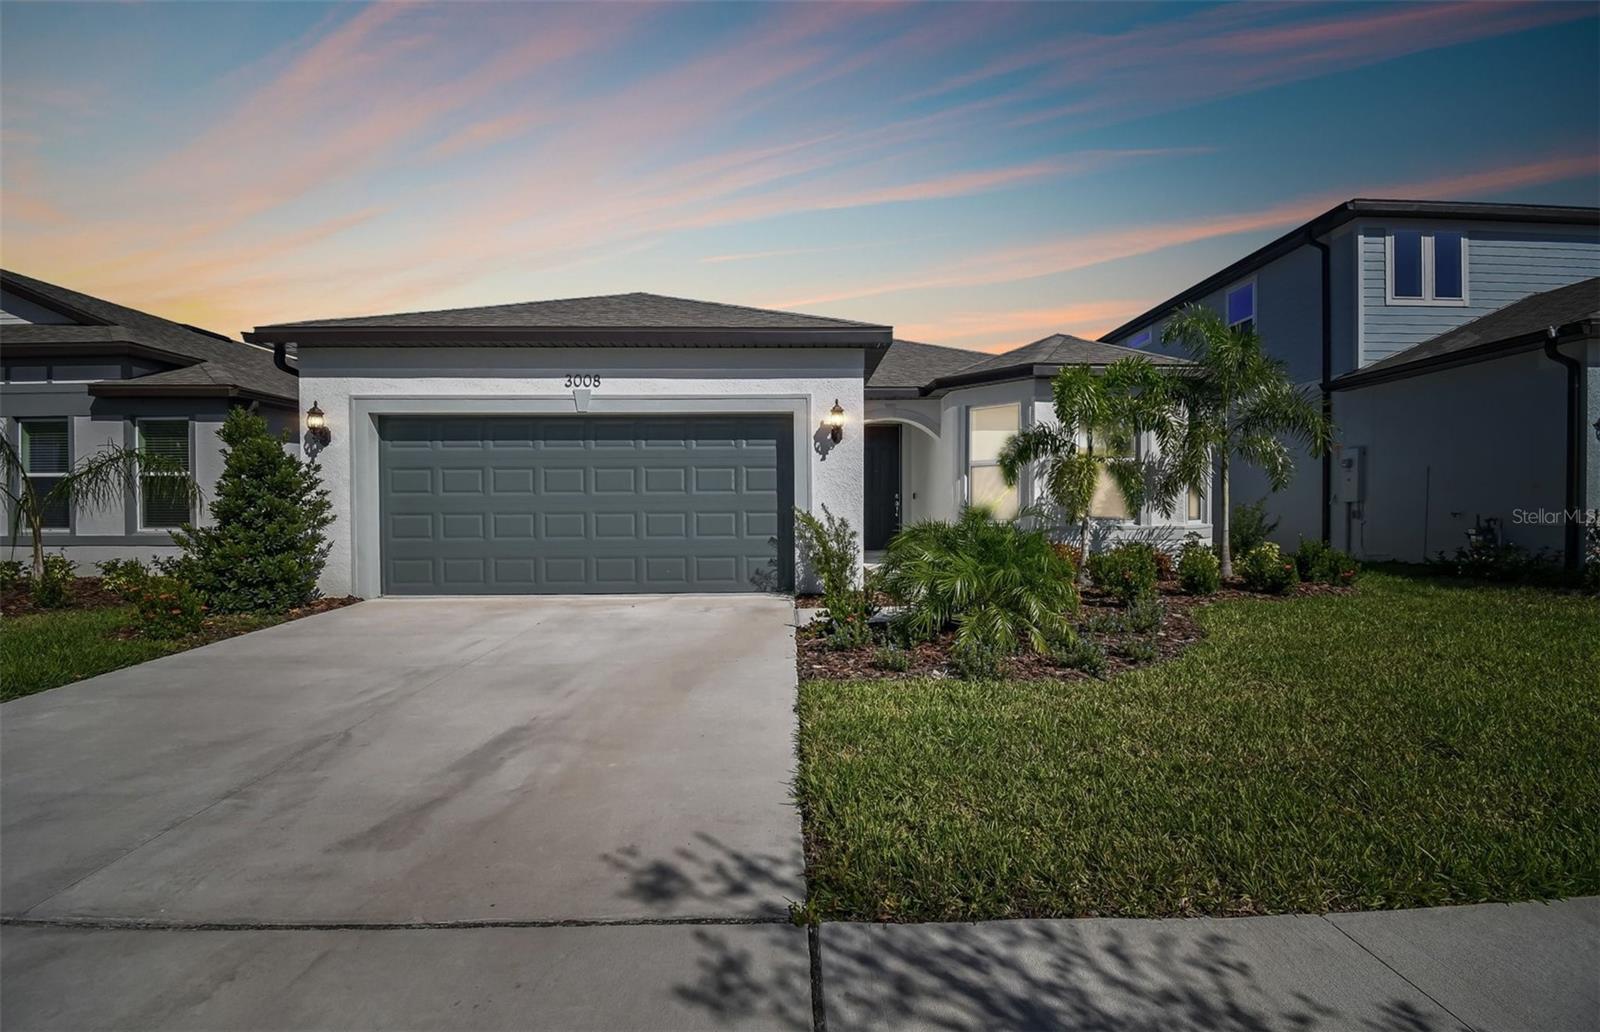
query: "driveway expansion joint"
1364, 948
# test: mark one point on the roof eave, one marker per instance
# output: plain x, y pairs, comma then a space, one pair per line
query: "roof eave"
567, 336
1484, 352
134, 389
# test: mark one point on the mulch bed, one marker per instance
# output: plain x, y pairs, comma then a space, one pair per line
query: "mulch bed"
84, 593
1179, 629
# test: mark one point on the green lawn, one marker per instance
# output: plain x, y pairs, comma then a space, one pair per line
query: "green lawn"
1418, 743
45, 650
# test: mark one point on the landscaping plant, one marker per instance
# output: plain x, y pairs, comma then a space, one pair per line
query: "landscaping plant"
265, 548
1081, 654
167, 608
1199, 571
1266, 570
1250, 527
1000, 586
1125, 572
1234, 402
12, 573
892, 657
1145, 614
123, 576
830, 548
1320, 563
52, 583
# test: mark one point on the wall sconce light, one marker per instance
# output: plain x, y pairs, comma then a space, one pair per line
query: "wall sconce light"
836, 422
317, 432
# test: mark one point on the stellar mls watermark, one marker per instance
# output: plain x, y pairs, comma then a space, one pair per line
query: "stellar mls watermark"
1555, 517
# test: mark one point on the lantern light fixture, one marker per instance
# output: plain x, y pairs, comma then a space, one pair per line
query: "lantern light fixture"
836, 421
317, 433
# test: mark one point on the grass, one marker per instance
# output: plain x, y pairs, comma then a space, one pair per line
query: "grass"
1418, 743
46, 650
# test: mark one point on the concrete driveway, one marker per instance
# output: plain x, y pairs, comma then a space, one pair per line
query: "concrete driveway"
520, 764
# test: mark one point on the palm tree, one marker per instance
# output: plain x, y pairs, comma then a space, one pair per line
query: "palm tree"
1109, 413
92, 483
1234, 401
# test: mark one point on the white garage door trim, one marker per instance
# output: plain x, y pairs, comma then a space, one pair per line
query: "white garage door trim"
363, 423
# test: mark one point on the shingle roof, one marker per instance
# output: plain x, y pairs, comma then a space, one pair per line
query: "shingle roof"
1058, 349
616, 311
216, 361
908, 364
1522, 322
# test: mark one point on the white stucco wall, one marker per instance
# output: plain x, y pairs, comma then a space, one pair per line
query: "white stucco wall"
1448, 447
355, 385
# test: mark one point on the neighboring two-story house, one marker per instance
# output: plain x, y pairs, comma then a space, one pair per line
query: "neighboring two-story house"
1455, 346
79, 372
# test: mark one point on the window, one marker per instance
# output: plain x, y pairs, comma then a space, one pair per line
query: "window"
163, 501
46, 457
1141, 339
1197, 506
1427, 268
1108, 502
1241, 305
989, 427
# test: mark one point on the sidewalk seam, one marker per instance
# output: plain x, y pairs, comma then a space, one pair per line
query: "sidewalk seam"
133, 924
1429, 996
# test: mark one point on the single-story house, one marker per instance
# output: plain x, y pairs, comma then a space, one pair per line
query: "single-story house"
639, 443
79, 372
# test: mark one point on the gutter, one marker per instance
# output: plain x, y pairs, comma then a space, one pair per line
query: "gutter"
280, 356
1574, 457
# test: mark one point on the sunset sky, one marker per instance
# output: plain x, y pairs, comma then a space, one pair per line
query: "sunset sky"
976, 175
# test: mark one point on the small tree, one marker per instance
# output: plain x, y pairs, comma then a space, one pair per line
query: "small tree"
111, 474
1110, 412
266, 546
1234, 401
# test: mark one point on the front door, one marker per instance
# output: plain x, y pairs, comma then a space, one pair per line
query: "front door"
883, 485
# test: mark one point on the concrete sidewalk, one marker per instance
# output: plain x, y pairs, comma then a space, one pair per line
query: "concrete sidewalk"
1492, 967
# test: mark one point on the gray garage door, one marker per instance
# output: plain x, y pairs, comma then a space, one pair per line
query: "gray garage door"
554, 504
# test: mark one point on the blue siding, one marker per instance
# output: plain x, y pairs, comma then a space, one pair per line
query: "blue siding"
1502, 266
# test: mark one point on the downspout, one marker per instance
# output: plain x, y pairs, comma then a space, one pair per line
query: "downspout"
1574, 463
280, 358
1327, 396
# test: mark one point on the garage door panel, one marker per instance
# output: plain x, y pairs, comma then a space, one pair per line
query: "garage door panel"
586, 504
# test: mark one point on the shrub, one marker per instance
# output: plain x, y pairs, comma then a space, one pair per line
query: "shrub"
892, 657
1249, 528
265, 547
1081, 654
1125, 572
978, 660
1512, 564
123, 576
1071, 553
1145, 614
1265, 569
12, 574
1164, 567
1318, 562
167, 608
1105, 623
1590, 579
829, 546
51, 588
1140, 650
997, 584
1199, 569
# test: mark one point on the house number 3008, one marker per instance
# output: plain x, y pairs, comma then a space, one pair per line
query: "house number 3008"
583, 380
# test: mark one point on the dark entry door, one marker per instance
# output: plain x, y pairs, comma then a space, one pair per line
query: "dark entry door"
883, 485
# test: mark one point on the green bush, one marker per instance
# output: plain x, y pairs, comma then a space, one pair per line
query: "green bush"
1590, 578
123, 576
1105, 623
52, 589
1081, 654
1266, 570
265, 547
1000, 586
1249, 528
978, 660
1318, 562
1506, 563
1145, 614
892, 657
1125, 572
1199, 569
1140, 650
829, 547
12, 574
167, 608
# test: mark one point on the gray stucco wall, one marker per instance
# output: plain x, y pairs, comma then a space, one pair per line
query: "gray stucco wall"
1447, 448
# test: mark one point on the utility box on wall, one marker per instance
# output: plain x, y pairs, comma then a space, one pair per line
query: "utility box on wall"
1351, 473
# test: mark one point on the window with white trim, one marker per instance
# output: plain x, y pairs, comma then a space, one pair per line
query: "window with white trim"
1240, 305
163, 502
989, 427
1107, 502
46, 448
1427, 267
1196, 511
